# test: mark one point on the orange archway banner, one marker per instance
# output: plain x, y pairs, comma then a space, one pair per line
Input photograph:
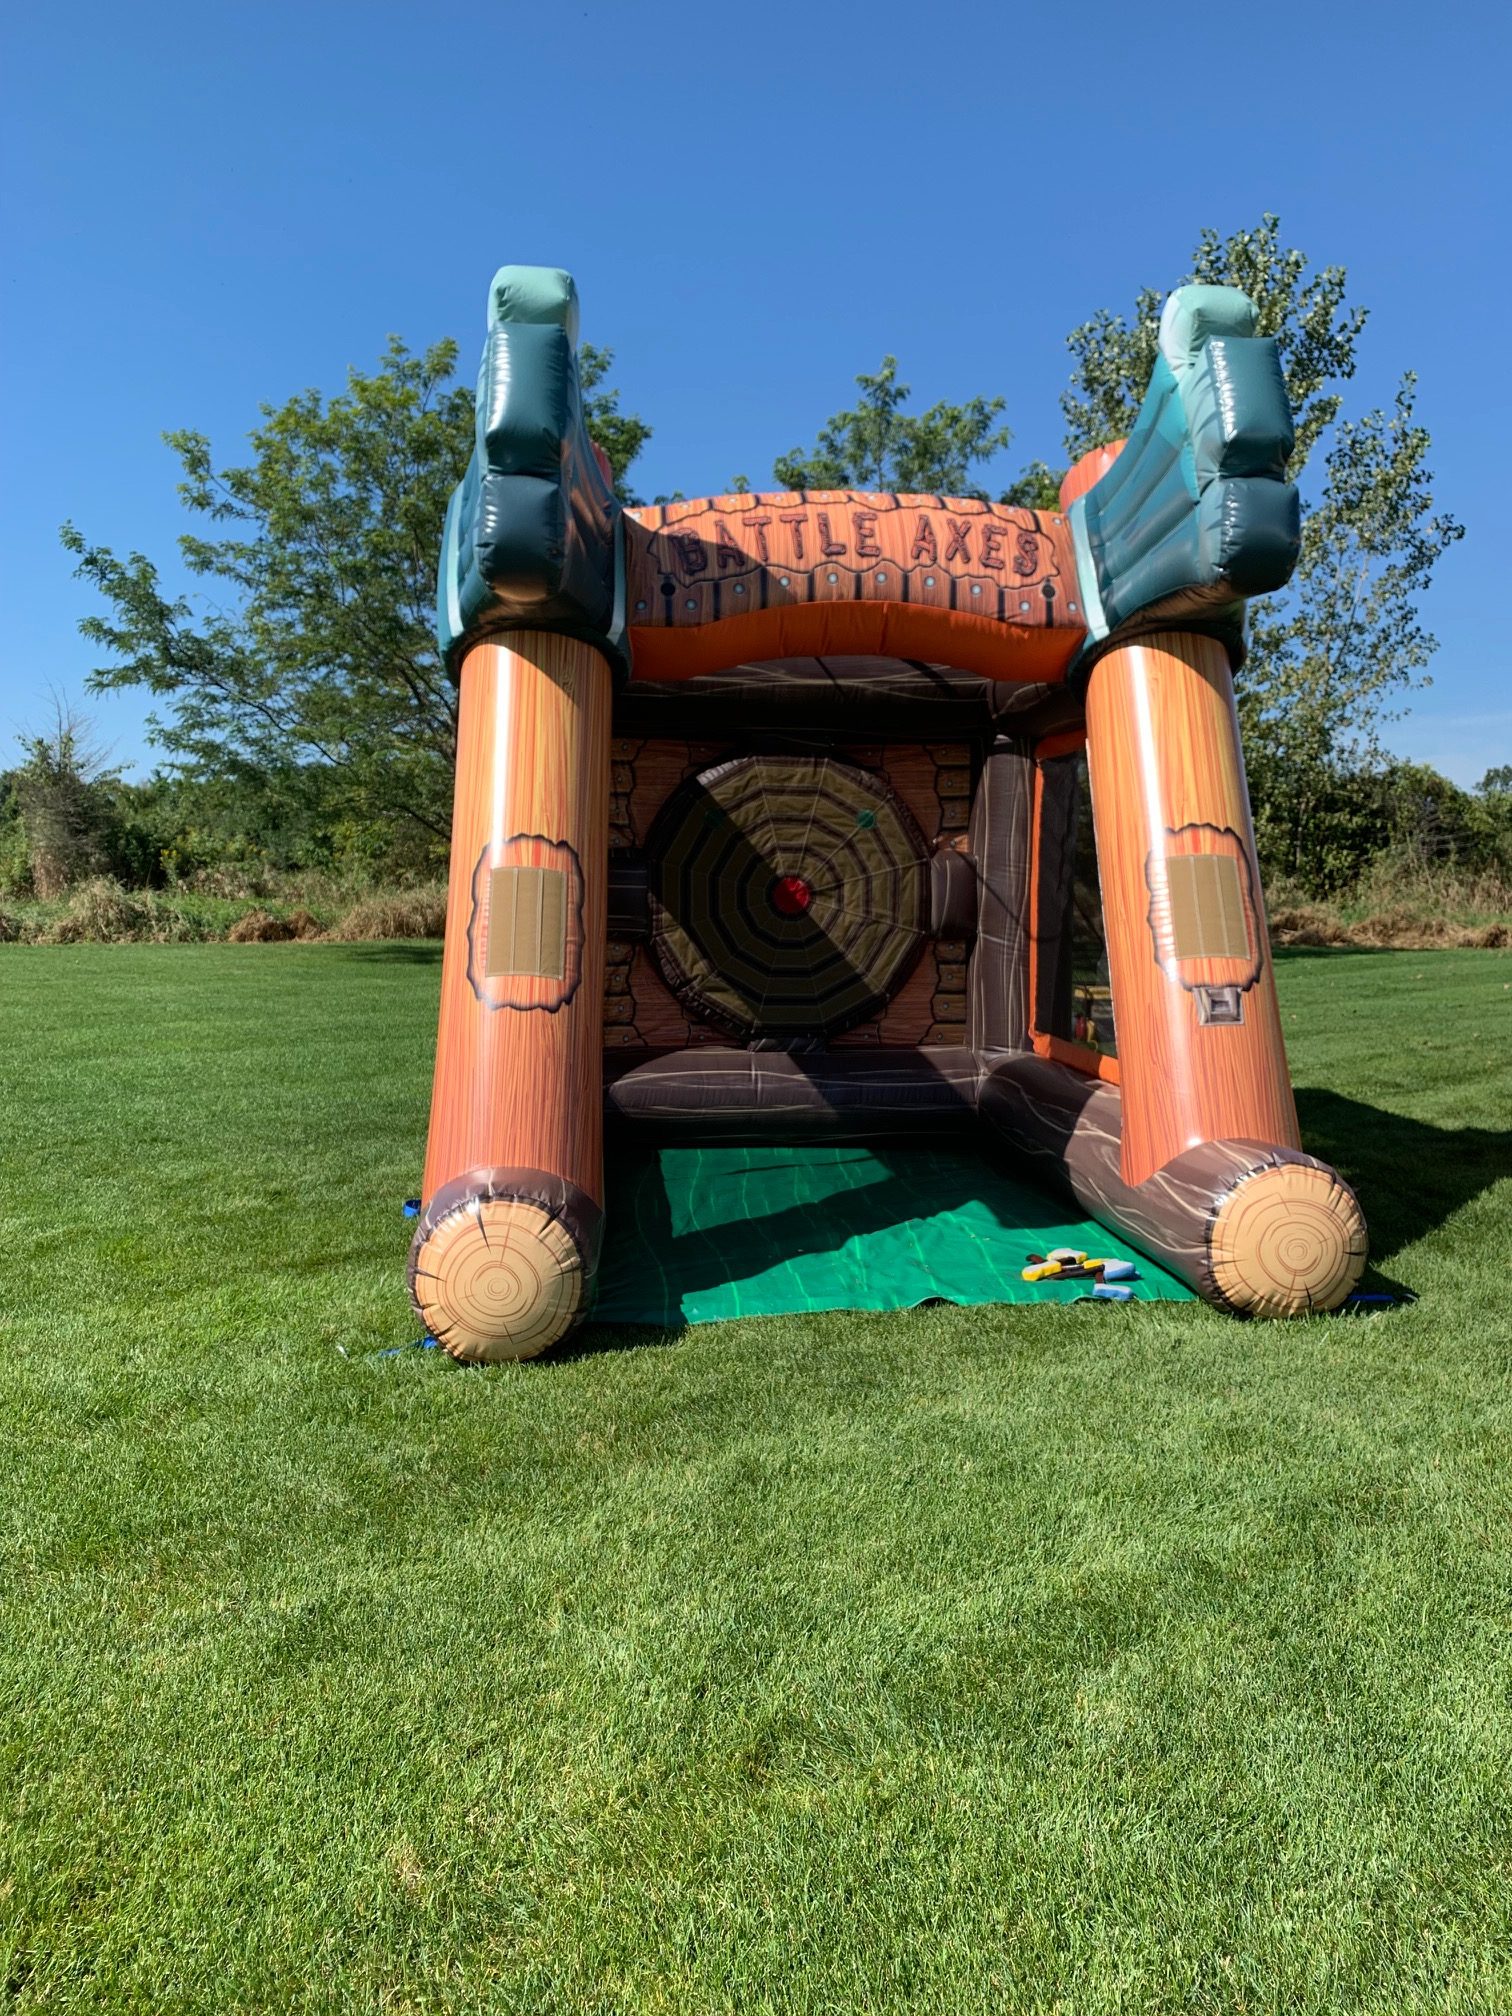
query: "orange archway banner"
989, 588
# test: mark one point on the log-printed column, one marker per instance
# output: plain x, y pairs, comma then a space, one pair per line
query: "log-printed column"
1199, 1033
1199, 1036
503, 1260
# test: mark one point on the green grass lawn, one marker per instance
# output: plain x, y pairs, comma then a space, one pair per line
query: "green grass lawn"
1090, 1659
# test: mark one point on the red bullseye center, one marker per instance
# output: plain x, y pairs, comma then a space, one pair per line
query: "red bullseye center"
791, 895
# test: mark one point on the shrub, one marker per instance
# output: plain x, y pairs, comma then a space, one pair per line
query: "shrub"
261, 927
98, 912
258, 928
101, 912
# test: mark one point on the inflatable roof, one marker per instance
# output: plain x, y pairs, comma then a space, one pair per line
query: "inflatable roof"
1194, 515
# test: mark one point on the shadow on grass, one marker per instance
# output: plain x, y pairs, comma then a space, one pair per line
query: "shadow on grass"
594, 1340
1283, 955
395, 951
1409, 1176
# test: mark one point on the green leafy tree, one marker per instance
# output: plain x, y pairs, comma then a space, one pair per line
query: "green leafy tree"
621, 435
1038, 489
1331, 654
314, 643
877, 446
1317, 331
62, 795
312, 649
66, 815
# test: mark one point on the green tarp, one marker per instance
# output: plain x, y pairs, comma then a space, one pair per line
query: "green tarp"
697, 1235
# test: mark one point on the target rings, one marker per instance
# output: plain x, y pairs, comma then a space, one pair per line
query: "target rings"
789, 895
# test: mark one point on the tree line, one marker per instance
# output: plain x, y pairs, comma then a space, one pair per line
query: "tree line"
307, 722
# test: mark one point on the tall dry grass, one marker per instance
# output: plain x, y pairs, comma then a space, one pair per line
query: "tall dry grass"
1413, 906
1410, 906
102, 912
409, 913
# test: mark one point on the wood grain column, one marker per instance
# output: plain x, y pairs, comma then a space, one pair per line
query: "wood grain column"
503, 1259
1199, 1036
1201, 1059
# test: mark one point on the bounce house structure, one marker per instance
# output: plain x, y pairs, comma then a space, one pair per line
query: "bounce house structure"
770, 825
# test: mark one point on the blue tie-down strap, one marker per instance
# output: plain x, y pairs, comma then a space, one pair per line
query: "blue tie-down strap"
426, 1343
411, 1209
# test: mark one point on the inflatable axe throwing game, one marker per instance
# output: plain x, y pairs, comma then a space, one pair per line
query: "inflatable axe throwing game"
780, 817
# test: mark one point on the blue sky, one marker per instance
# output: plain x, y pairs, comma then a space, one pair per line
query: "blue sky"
207, 207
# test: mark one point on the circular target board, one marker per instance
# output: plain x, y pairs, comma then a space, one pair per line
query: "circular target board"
789, 895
